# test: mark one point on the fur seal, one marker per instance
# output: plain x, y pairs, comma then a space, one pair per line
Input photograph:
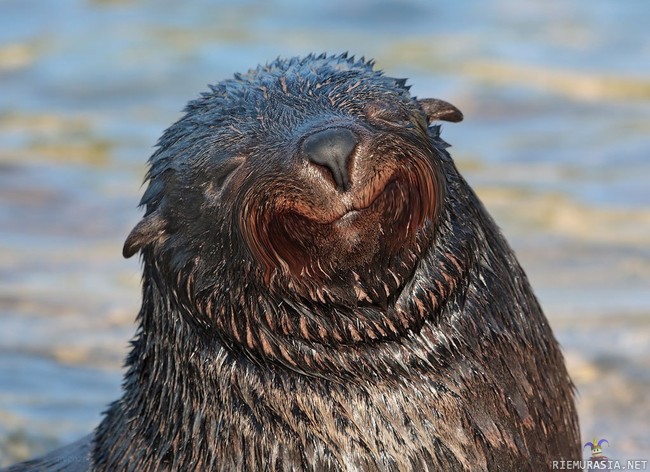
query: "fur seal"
323, 291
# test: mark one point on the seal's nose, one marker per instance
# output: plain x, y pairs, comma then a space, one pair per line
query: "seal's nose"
331, 148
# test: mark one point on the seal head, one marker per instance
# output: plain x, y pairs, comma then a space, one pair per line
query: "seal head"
316, 181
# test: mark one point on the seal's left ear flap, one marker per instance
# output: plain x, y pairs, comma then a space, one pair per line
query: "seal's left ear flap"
439, 110
149, 229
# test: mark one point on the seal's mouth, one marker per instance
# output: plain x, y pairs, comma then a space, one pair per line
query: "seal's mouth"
382, 192
314, 228
370, 200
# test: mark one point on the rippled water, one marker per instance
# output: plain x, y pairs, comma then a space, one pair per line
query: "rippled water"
556, 141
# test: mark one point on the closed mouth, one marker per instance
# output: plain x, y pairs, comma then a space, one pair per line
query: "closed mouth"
386, 191
371, 200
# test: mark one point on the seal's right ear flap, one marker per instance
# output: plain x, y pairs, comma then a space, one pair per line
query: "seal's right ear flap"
149, 229
439, 110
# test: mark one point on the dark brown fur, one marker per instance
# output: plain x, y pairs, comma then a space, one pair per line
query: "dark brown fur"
287, 325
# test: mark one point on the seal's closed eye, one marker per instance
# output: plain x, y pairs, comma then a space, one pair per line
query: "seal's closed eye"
226, 170
439, 110
386, 112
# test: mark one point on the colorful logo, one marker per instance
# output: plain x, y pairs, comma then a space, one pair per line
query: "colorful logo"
597, 449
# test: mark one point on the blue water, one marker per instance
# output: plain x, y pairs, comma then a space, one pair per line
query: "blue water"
556, 141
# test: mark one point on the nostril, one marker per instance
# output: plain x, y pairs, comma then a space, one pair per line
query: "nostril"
331, 148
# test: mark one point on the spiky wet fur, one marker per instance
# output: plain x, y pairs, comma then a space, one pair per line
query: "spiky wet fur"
457, 368
468, 376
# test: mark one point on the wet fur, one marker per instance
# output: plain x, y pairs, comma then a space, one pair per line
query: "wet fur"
425, 351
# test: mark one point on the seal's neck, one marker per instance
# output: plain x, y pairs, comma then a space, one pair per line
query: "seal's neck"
190, 403
169, 413
186, 388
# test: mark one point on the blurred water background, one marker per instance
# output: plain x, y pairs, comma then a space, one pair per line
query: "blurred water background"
556, 141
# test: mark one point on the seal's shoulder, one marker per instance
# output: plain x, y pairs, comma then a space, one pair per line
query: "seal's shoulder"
74, 457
